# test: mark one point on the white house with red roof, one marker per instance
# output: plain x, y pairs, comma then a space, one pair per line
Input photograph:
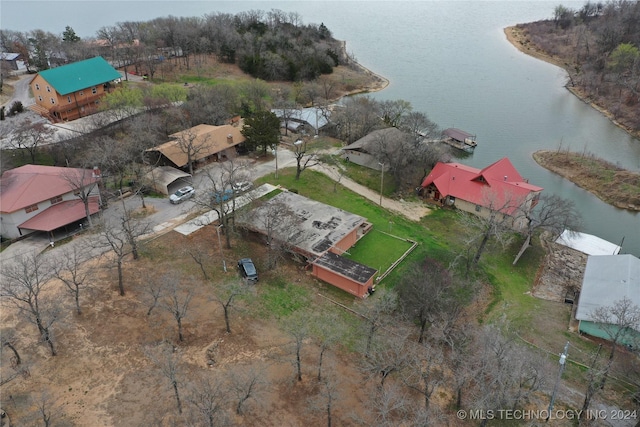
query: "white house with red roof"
46, 198
498, 187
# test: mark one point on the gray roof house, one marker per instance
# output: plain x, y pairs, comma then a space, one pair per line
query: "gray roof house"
362, 152
314, 117
607, 280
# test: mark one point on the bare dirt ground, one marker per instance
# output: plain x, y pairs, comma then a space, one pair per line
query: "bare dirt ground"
102, 377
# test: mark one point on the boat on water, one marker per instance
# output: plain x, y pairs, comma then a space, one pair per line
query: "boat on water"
459, 139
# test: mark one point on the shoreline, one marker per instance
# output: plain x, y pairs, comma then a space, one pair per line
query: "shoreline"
518, 40
379, 82
599, 177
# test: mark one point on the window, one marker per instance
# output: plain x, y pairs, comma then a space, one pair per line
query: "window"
37, 86
81, 93
53, 101
39, 98
69, 99
478, 208
94, 90
48, 89
55, 200
31, 208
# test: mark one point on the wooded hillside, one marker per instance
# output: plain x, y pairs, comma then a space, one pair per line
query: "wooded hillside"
598, 45
272, 45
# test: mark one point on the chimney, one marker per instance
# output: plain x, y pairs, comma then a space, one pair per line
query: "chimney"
95, 173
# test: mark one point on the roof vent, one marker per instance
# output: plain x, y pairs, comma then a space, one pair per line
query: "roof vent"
230, 138
505, 177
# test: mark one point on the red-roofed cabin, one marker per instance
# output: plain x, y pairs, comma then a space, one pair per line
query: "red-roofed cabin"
46, 198
496, 188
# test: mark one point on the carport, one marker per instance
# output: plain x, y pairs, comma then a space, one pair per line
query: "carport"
167, 179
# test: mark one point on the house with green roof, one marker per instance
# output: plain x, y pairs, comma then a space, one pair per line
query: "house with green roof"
73, 90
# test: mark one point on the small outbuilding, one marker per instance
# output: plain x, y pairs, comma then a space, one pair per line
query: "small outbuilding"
166, 179
607, 281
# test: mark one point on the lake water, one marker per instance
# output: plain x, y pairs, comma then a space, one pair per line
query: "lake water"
450, 59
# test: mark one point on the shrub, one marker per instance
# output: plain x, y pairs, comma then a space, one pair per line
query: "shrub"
16, 108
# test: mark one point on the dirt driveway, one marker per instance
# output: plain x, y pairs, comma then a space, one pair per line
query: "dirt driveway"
411, 210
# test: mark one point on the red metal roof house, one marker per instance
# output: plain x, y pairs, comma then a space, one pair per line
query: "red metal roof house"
45, 198
498, 187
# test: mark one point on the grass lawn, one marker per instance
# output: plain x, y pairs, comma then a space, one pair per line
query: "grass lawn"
378, 250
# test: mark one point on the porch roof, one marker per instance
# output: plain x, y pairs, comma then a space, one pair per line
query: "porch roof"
60, 214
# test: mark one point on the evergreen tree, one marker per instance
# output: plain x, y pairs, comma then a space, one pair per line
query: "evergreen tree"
69, 35
262, 130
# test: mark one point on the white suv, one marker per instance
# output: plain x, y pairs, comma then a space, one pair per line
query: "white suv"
182, 194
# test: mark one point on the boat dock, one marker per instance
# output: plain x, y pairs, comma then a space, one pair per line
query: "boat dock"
459, 139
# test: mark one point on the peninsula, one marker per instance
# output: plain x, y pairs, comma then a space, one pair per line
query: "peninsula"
611, 184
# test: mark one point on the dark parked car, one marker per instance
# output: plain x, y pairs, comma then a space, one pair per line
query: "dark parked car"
248, 269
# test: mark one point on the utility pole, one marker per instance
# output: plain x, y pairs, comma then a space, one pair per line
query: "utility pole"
224, 264
275, 154
381, 180
563, 363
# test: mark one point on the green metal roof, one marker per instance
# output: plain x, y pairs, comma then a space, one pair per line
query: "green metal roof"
80, 75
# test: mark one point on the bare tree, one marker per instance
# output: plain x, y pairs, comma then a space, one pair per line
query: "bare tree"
208, 398
68, 269
165, 357
82, 182
425, 291
552, 213
117, 242
30, 137
328, 397
618, 321
123, 240
297, 326
221, 198
153, 291
376, 310
304, 159
176, 300
247, 383
227, 295
192, 145
45, 408
507, 373
132, 229
389, 356
199, 255
390, 406
327, 331
493, 220
23, 286
7, 339
424, 373
281, 228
